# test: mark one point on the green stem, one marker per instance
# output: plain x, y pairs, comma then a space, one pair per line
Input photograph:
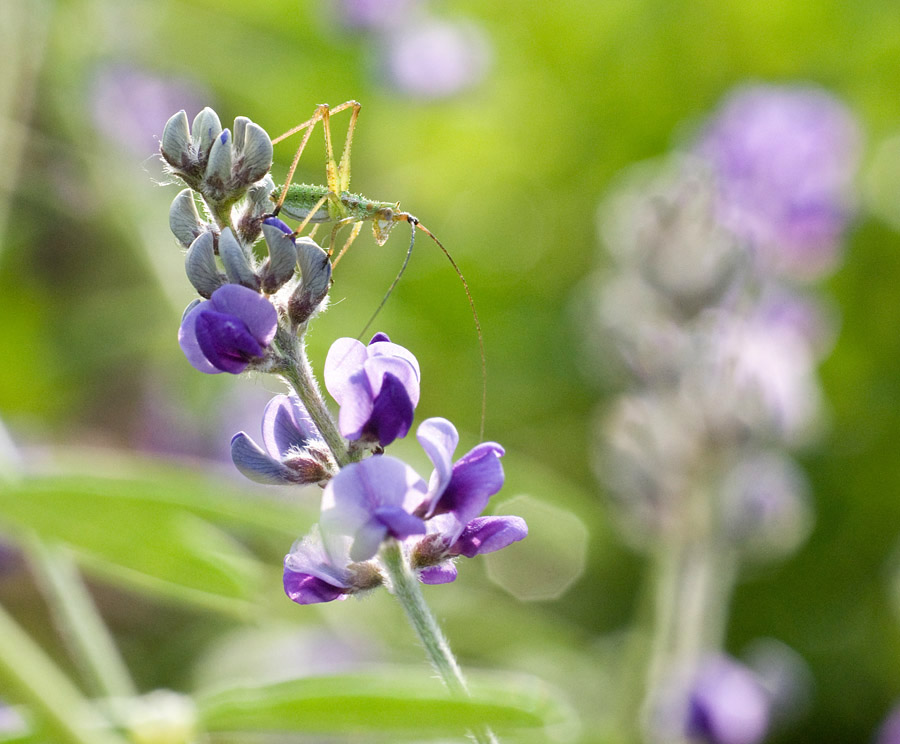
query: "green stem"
28, 674
405, 587
79, 622
298, 373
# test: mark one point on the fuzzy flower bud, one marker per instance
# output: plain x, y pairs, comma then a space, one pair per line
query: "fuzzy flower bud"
200, 265
184, 219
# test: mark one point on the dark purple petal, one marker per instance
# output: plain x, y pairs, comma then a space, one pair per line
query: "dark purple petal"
226, 341
275, 222
286, 426
443, 573
305, 589
257, 313
378, 337
258, 466
487, 534
477, 476
187, 339
392, 412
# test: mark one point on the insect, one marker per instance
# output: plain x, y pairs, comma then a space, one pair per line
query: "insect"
333, 204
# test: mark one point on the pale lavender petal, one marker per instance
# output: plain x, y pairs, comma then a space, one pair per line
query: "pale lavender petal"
727, 705
438, 438
443, 573
310, 556
305, 589
257, 465
488, 534
187, 340
256, 311
383, 347
356, 406
377, 367
286, 425
368, 539
345, 359
399, 523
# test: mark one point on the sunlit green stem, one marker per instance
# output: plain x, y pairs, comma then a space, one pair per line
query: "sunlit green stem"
79, 622
298, 373
405, 587
27, 674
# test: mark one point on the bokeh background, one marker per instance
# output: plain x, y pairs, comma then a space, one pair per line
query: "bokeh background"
505, 151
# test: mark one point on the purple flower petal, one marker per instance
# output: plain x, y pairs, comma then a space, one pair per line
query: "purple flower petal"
344, 362
286, 425
257, 465
488, 534
256, 311
476, 477
379, 337
226, 341
305, 589
392, 412
399, 523
438, 438
313, 573
443, 573
187, 339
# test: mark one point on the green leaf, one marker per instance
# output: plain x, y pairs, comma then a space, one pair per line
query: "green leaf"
155, 527
402, 703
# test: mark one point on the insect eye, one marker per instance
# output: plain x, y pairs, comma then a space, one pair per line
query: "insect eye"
387, 214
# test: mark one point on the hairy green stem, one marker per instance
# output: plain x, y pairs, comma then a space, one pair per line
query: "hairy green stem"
298, 373
78, 621
28, 674
405, 587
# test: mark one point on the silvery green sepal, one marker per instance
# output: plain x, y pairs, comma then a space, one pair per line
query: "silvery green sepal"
254, 153
175, 145
279, 267
200, 265
217, 182
258, 204
237, 265
184, 219
315, 281
190, 306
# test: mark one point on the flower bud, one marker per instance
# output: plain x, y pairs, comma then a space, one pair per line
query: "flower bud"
257, 205
175, 146
217, 179
184, 220
315, 274
200, 265
205, 129
237, 265
254, 154
282, 261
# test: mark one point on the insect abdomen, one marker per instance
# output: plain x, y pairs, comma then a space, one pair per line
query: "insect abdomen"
301, 198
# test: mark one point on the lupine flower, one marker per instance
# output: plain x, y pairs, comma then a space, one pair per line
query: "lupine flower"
785, 158
889, 731
726, 704
376, 386
229, 331
374, 14
318, 570
372, 500
293, 451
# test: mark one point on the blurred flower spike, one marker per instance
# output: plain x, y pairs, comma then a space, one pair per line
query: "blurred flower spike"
376, 386
785, 160
382, 498
228, 332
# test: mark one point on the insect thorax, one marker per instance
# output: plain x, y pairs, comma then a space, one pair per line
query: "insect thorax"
302, 197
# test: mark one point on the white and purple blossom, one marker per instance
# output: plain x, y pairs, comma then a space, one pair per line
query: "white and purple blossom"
229, 331
785, 158
293, 451
373, 500
376, 386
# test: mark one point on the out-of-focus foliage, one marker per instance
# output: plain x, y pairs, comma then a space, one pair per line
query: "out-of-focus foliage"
508, 172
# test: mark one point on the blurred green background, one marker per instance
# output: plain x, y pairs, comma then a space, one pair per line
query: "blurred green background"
508, 172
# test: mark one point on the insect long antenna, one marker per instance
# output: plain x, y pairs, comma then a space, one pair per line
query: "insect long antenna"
416, 224
390, 290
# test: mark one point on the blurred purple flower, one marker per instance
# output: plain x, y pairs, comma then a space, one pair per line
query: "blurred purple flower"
376, 386
228, 331
293, 451
726, 704
372, 500
131, 106
369, 15
785, 158
889, 731
435, 58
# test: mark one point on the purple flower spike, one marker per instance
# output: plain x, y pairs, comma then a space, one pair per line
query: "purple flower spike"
463, 488
489, 534
377, 387
228, 331
293, 451
727, 705
372, 500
